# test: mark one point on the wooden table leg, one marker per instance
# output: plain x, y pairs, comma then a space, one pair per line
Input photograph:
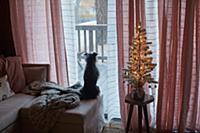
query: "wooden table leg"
129, 117
146, 118
140, 118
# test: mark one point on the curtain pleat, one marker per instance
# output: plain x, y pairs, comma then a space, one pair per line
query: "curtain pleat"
178, 93
38, 34
129, 14
120, 37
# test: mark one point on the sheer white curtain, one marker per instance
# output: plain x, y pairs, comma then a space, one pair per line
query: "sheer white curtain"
108, 70
151, 11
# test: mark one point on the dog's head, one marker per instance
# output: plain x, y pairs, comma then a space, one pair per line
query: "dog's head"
90, 57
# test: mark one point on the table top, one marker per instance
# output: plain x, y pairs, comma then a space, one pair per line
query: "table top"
147, 99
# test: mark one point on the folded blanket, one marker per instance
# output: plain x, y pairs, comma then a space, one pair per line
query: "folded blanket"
52, 100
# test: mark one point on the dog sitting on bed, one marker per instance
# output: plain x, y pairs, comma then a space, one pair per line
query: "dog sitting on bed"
90, 90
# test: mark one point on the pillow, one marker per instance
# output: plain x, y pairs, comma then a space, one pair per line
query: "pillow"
5, 90
35, 74
2, 67
15, 73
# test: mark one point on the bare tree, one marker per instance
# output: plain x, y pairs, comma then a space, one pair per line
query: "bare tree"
101, 11
76, 8
101, 18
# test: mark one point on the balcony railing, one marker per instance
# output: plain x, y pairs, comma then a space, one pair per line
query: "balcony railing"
92, 38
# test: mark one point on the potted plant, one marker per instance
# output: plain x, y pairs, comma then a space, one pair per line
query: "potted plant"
140, 64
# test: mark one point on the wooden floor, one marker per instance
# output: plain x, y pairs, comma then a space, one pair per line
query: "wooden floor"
112, 130
113, 127
116, 127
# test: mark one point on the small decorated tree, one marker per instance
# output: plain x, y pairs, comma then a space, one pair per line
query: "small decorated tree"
140, 64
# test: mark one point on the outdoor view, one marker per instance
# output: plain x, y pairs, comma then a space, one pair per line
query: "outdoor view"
86, 11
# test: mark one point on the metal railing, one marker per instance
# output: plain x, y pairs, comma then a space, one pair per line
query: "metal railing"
92, 38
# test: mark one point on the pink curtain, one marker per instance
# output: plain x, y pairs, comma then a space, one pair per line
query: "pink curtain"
179, 91
129, 14
38, 34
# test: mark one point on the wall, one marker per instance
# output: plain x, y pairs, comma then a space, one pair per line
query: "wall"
6, 39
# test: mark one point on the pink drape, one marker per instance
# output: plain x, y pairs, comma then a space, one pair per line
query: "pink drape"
129, 14
38, 34
178, 94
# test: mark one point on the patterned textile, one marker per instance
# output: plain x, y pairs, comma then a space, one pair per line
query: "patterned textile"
5, 90
42, 87
53, 100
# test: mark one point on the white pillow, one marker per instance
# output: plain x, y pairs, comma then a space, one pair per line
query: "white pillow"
5, 90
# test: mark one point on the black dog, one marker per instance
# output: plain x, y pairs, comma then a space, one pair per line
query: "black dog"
91, 75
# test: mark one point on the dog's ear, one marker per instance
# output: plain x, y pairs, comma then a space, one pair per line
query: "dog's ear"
95, 54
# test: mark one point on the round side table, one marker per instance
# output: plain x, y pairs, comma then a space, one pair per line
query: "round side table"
142, 105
